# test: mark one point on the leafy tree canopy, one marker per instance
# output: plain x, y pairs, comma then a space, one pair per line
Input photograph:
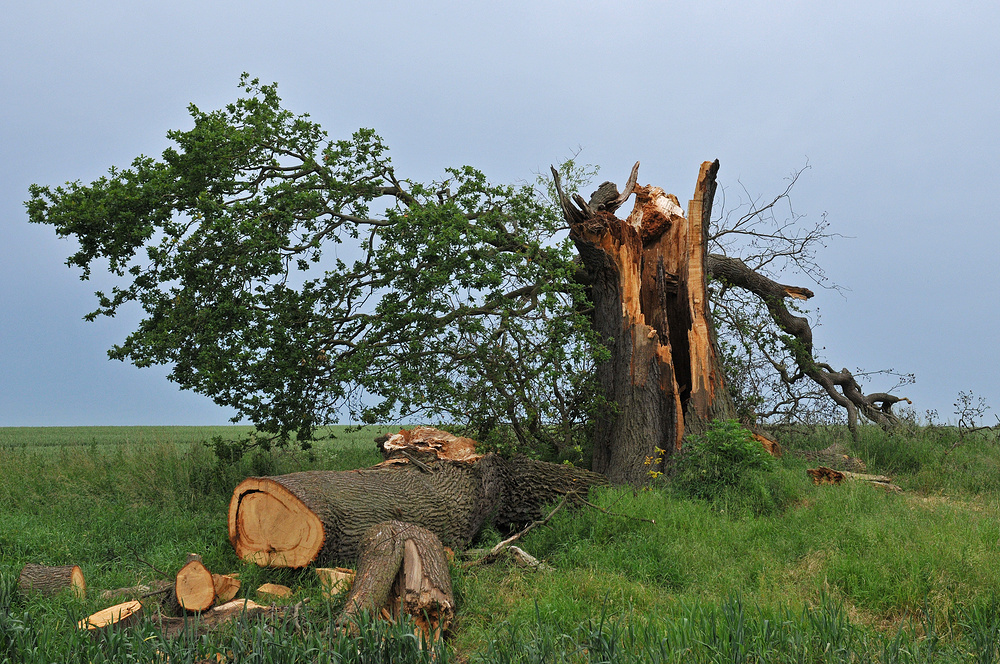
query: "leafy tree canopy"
297, 278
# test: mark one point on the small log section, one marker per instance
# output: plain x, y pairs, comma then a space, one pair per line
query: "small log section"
46, 580
824, 475
194, 588
320, 517
403, 568
119, 615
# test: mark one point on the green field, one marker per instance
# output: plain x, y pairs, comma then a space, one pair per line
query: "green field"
833, 574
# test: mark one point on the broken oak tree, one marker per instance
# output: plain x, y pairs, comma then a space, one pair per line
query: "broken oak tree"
319, 517
647, 281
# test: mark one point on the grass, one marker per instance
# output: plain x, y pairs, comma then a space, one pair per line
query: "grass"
845, 574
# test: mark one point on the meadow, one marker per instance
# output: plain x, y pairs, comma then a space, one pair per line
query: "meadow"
844, 573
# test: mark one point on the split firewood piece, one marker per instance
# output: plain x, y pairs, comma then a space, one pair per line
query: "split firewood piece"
274, 590
403, 567
194, 588
47, 580
335, 580
824, 475
226, 586
120, 615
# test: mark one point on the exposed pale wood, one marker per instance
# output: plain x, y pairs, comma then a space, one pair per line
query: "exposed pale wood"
427, 441
274, 590
194, 587
49, 580
226, 587
120, 615
335, 580
270, 526
772, 446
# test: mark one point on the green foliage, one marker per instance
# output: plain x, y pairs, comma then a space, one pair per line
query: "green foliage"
723, 458
296, 278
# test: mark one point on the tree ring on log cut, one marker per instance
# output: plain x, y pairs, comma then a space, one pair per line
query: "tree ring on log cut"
271, 527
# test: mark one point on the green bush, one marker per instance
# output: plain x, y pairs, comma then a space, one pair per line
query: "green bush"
726, 466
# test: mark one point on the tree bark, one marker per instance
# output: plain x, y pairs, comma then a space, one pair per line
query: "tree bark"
841, 386
403, 569
651, 309
320, 517
48, 580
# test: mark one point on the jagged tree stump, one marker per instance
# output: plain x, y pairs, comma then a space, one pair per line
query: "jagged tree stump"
319, 517
47, 580
403, 568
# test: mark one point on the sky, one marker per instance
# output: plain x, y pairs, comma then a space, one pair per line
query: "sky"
894, 106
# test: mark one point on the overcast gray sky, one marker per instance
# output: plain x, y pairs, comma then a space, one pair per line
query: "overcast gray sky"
895, 105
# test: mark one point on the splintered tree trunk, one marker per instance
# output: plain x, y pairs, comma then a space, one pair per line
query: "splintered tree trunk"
649, 291
319, 517
119, 615
47, 580
403, 569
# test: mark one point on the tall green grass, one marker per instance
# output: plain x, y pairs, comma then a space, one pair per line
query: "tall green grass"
832, 573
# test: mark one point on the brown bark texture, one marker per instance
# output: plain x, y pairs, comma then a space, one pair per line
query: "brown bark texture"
648, 286
46, 580
403, 569
824, 475
320, 517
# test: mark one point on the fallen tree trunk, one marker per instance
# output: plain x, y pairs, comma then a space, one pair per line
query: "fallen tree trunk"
402, 569
320, 517
47, 580
824, 475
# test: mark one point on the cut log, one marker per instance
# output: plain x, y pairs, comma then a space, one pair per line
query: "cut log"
335, 580
46, 580
274, 591
403, 568
824, 475
226, 587
119, 615
194, 588
319, 517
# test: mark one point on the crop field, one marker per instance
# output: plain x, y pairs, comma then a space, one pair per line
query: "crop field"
799, 573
